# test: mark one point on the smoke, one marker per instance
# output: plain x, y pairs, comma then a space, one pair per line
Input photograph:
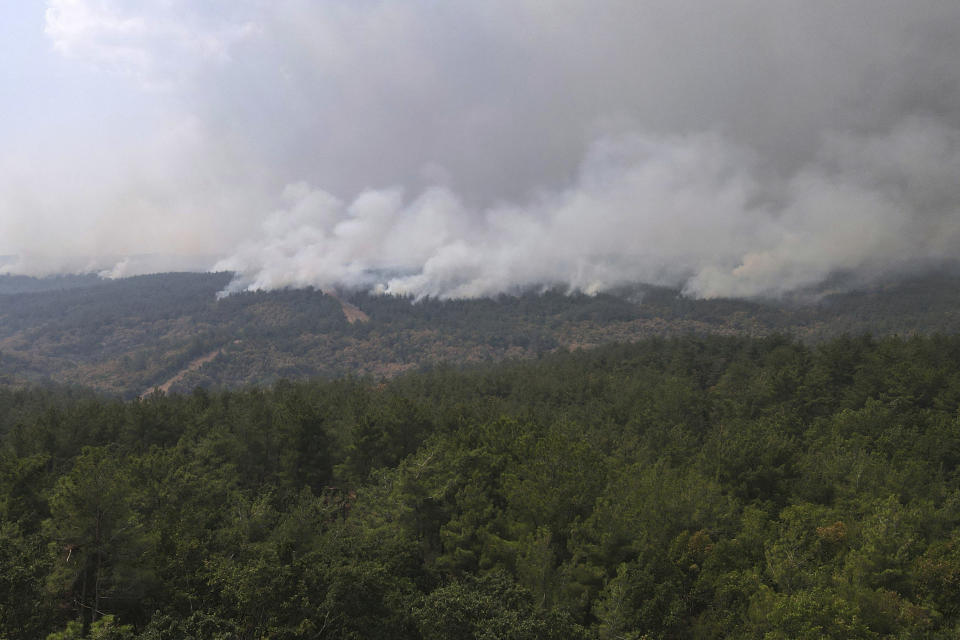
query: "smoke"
467, 149
693, 210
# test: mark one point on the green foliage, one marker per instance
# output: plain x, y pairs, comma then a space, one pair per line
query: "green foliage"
104, 553
106, 628
701, 487
23, 568
491, 607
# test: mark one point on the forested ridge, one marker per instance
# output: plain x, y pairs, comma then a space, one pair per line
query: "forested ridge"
693, 487
131, 335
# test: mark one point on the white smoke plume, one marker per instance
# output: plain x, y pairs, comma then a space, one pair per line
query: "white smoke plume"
457, 149
693, 210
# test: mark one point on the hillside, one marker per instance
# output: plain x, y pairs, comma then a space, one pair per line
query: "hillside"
131, 335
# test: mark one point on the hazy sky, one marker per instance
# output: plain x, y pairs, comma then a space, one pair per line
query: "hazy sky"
469, 148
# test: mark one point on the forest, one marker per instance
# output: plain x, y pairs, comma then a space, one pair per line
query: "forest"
678, 487
131, 335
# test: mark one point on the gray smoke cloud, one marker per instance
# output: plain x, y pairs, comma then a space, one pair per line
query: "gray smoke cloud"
662, 210
467, 149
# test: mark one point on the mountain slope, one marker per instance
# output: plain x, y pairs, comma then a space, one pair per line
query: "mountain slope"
131, 335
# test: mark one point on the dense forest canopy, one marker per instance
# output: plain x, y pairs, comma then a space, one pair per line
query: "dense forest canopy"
704, 487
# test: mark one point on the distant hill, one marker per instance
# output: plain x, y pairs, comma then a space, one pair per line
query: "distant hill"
26, 284
131, 335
